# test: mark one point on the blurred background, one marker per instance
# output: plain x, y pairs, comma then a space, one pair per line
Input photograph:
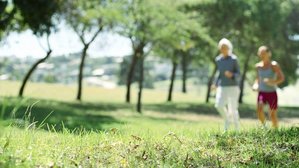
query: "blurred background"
137, 51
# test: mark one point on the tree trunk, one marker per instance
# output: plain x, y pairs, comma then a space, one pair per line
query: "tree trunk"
246, 66
210, 82
184, 73
32, 69
172, 78
130, 77
83, 56
141, 77
81, 67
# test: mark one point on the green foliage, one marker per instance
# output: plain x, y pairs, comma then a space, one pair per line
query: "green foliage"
223, 18
250, 24
147, 21
81, 15
86, 17
273, 21
38, 14
292, 22
6, 16
181, 35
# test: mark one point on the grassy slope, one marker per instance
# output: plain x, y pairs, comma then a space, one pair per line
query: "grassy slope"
128, 148
111, 133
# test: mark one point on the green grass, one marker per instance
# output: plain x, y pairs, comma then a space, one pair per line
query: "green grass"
102, 131
129, 148
92, 93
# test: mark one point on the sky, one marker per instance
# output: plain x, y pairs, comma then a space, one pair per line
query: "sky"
63, 42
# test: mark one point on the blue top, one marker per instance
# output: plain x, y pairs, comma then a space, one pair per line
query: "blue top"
266, 73
229, 63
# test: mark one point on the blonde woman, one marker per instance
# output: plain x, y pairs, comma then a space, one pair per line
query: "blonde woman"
228, 91
269, 75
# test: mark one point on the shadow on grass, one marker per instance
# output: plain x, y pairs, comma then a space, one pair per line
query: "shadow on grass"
69, 115
95, 116
245, 111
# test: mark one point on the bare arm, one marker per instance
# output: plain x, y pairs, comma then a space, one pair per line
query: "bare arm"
256, 81
280, 76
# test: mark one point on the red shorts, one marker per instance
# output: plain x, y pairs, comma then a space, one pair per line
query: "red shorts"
268, 98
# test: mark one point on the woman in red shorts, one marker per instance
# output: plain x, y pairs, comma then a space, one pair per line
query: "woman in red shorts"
269, 75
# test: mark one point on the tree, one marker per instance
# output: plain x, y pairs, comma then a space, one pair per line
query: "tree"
142, 24
134, 26
166, 50
38, 16
251, 24
182, 42
267, 27
205, 48
184, 65
7, 13
214, 16
197, 54
124, 69
88, 19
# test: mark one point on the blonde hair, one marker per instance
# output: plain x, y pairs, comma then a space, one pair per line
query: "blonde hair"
263, 47
226, 42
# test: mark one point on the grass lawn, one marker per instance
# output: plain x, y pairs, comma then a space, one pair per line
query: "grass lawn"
92, 93
50, 129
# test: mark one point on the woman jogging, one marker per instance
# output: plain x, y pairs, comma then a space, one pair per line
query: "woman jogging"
227, 93
269, 75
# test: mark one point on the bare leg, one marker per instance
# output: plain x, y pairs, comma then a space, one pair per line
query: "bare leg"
273, 116
260, 112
